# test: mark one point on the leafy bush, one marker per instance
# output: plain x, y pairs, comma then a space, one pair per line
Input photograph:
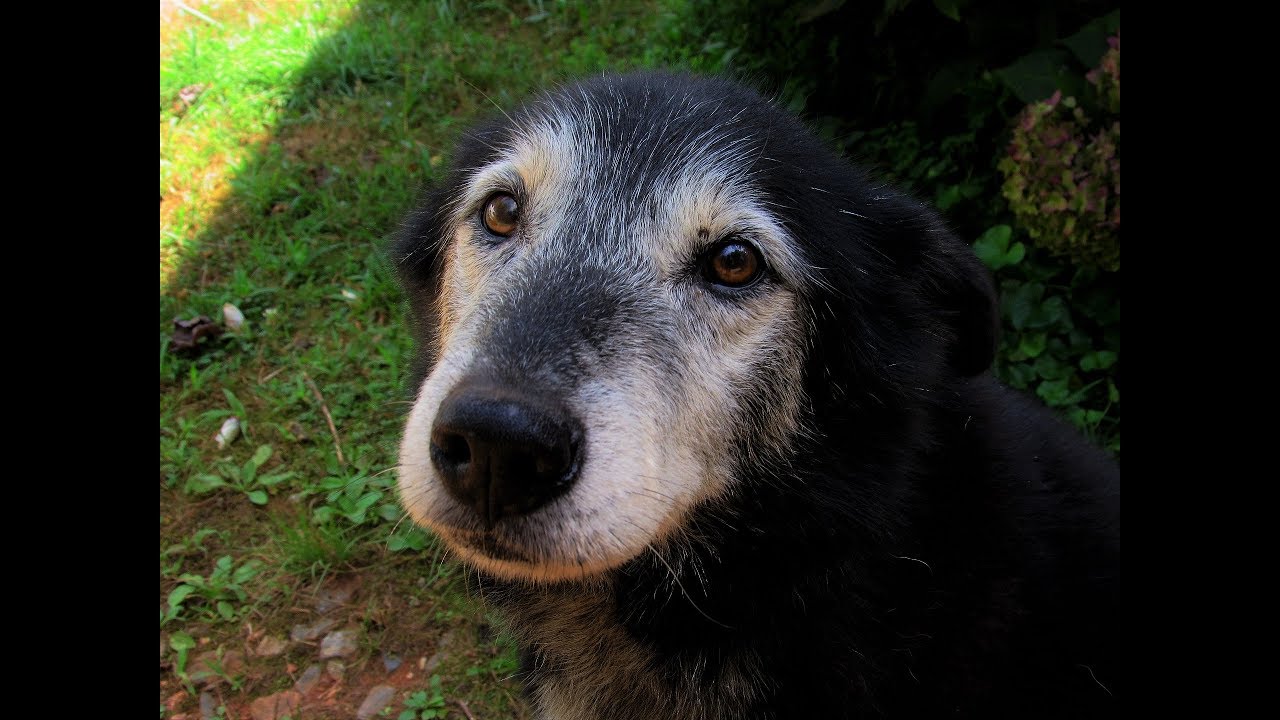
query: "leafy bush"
1062, 172
928, 93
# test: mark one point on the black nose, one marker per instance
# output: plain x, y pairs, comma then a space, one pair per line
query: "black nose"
504, 451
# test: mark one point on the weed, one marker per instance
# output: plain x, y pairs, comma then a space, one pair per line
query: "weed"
217, 591
244, 478
424, 705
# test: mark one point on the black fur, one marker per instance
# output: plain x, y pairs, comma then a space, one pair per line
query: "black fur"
946, 548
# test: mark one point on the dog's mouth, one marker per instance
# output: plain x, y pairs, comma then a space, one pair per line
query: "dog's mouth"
488, 544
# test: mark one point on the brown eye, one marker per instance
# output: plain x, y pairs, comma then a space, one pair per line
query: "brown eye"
501, 214
733, 264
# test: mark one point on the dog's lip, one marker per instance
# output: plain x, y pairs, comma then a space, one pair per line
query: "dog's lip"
488, 544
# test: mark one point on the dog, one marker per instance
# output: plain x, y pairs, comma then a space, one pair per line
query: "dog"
707, 411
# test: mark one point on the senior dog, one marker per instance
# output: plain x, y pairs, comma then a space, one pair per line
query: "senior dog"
708, 412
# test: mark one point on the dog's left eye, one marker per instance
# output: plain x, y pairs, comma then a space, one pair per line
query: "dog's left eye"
501, 214
733, 264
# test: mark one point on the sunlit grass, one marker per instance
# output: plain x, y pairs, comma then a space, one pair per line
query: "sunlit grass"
293, 137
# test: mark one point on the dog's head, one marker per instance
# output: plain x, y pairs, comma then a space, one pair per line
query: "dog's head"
632, 289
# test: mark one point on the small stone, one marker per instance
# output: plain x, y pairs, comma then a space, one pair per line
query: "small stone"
275, 707
335, 669
338, 643
391, 661
227, 434
270, 646
208, 706
377, 699
307, 633
333, 597
433, 663
310, 678
232, 317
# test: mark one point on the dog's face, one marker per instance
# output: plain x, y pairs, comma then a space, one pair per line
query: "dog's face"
621, 288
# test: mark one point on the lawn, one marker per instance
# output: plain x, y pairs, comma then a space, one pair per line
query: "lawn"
293, 137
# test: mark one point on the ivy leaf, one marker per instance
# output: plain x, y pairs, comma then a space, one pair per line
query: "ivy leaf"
1054, 392
1032, 344
1099, 360
1090, 42
1020, 375
949, 8
1049, 367
1022, 302
993, 248
1038, 74
1016, 253
1051, 313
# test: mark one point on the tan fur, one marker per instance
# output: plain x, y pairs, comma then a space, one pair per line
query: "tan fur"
595, 671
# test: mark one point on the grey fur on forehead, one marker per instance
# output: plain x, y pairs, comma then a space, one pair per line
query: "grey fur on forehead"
645, 122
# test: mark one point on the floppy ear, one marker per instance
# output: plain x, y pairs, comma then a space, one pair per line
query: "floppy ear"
942, 297
959, 287
416, 256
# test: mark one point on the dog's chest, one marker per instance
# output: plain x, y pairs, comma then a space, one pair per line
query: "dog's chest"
585, 665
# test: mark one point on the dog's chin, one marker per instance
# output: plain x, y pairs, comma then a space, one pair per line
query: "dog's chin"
501, 558
506, 561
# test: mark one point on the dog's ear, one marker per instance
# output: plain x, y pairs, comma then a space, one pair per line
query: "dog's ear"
934, 284
417, 258
960, 289
415, 249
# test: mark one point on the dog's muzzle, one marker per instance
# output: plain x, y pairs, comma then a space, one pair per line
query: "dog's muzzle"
503, 451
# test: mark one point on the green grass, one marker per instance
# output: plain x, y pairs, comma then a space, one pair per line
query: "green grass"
293, 137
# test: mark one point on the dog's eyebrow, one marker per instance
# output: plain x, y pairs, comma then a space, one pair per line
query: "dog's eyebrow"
495, 177
709, 208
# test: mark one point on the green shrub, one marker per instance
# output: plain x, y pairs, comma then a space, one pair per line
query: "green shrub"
927, 93
1062, 171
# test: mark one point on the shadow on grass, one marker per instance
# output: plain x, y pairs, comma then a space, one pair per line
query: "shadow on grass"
287, 220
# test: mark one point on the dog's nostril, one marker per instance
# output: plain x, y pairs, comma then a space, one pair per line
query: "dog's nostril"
451, 448
504, 452
553, 462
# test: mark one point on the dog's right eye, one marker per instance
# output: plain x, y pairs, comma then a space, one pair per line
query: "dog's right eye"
732, 264
501, 214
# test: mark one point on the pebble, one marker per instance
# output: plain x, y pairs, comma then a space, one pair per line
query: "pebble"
306, 633
270, 646
308, 681
275, 707
208, 707
391, 661
338, 643
377, 699
332, 598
